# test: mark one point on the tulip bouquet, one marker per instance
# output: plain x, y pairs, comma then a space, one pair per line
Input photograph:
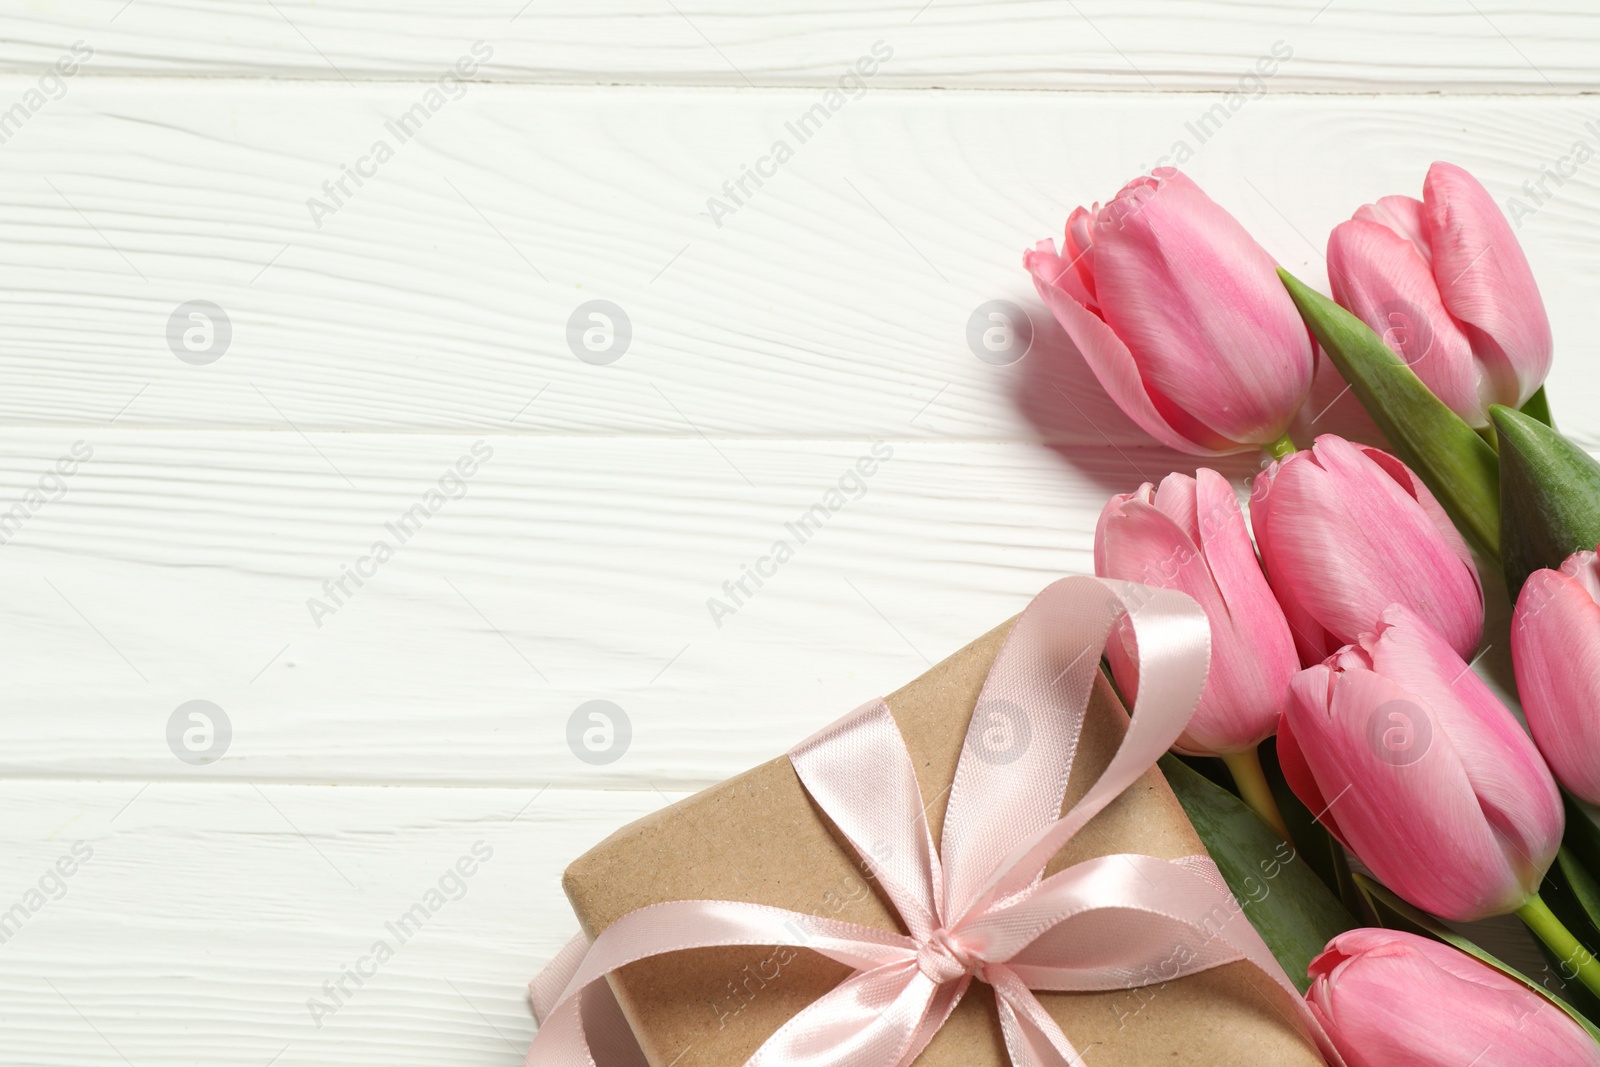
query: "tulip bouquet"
1341, 698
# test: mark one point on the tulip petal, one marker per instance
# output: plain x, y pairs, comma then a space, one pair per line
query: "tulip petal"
1458, 964
1390, 998
1197, 302
1312, 640
1142, 542
1584, 568
1312, 687
1218, 527
1485, 281
1555, 647
1077, 248
1504, 769
1385, 1028
1429, 437
1404, 805
1176, 500
1345, 540
1109, 358
1407, 479
1144, 494
1380, 277
1260, 658
1404, 215
1137, 542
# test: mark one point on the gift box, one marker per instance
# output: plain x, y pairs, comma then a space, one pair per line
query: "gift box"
761, 838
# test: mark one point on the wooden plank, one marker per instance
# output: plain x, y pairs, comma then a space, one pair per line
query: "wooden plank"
200, 922
183, 566
834, 302
378, 334
1358, 46
214, 922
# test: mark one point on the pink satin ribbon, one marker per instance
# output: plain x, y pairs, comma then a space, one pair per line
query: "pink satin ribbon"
976, 908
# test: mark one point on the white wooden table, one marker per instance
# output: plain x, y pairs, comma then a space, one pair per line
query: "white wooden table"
376, 337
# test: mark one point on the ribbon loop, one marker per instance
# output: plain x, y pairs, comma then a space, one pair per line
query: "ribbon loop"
1173, 640
976, 908
1036, 695
880, 811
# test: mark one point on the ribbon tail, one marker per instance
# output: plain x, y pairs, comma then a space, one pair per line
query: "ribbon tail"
871, 1019
545, 990
560, 1040
563, 1036
1033, 1039
1247, 941
585, 1006
613, 1043
1113, 922
1121, 922
945, 999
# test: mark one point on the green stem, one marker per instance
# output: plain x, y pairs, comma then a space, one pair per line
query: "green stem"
1491, 438
1543, 922
1253, 788
1281, 447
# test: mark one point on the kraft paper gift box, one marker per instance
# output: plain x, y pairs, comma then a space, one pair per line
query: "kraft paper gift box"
758, 837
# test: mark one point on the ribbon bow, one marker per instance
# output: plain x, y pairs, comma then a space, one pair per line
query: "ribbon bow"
976, 908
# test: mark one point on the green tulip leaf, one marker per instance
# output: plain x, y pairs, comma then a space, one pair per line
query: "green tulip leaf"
1538, 407
1212, 769
1585, 890
1571, 888
1396, 914
1549, 496
1279, 892
1448, 455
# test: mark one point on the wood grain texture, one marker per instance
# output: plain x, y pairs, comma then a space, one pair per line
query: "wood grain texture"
833, 303
206, 916
191, 565
1361, 46
427, 310
179, 566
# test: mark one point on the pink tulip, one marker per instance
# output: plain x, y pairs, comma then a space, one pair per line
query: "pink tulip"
1392, 999
1555, 647
1346, 530
1190, 535
1412, 763
1181, 316
1445, 282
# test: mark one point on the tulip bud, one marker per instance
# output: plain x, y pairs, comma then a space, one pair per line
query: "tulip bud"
1346, 530
1180, 314
1416, 767
1457, 465
1446, 284
1190, 535
1387, 997
1555, 647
